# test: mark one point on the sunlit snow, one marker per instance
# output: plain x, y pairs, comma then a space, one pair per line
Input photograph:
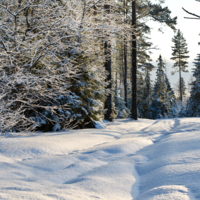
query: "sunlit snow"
123, 160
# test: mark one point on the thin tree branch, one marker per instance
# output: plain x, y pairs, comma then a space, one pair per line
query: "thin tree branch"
4, 46
191, 13
93, 5
191, 18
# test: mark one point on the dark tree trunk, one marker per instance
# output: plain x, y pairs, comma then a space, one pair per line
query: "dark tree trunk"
180, 85
116, 86
107, 46
180, 82
125, 73
121, 83
125, 58
134, 64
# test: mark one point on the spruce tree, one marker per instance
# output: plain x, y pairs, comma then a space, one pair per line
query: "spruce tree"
193, 104
146, 10
146, 97
160, 87
163, 98
179, 55
171, 99
140, 93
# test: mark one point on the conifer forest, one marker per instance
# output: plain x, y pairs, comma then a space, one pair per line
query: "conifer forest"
69, 63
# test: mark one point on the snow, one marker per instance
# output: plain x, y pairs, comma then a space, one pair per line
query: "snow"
99, 125
125, 159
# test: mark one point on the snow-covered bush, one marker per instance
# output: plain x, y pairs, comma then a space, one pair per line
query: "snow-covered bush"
52, 63
158, 109
122, 110
35, 72
115, 111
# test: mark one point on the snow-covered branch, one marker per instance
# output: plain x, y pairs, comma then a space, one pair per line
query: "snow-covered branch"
50, 80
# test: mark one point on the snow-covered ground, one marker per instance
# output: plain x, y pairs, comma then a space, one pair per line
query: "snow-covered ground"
140, 160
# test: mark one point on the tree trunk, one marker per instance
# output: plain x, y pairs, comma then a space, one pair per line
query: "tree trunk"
107, 46
122, 73
134, 64
125, 61
121, 84
125, 74
180, 85
116, 86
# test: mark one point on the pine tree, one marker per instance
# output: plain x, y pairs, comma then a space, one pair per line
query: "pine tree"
146, 10
171, 100
146, 96
163, 101
193, 104
149, 10
179, 55
140, 93
184, 89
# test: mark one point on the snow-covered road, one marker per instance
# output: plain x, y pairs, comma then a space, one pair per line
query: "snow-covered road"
140, 160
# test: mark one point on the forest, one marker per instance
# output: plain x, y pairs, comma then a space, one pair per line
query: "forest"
69, 63
85, 111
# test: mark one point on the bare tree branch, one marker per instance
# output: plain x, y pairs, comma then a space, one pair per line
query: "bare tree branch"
191, 13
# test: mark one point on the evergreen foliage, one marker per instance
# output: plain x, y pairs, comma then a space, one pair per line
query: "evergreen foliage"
89, 87
145, 94
179, 55
193, 104
163, 99
149, 10
140, 93
52, 62
171, 100
120, 108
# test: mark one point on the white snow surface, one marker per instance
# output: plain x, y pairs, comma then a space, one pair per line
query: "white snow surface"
124, 160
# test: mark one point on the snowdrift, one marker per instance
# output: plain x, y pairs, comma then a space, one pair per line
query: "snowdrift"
140, 160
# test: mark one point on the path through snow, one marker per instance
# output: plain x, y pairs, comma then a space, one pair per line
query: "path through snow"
140, 160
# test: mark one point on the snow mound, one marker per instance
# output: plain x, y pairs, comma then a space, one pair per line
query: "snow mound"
140, 160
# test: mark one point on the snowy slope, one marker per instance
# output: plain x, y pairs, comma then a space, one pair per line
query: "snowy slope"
141, 160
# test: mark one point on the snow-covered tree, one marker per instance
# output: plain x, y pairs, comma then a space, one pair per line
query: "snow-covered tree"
34, 71
171, 100
193, 104
163, 99
145, 94
51, 63
179, 55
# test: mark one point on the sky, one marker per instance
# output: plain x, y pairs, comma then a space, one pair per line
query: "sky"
190, 29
